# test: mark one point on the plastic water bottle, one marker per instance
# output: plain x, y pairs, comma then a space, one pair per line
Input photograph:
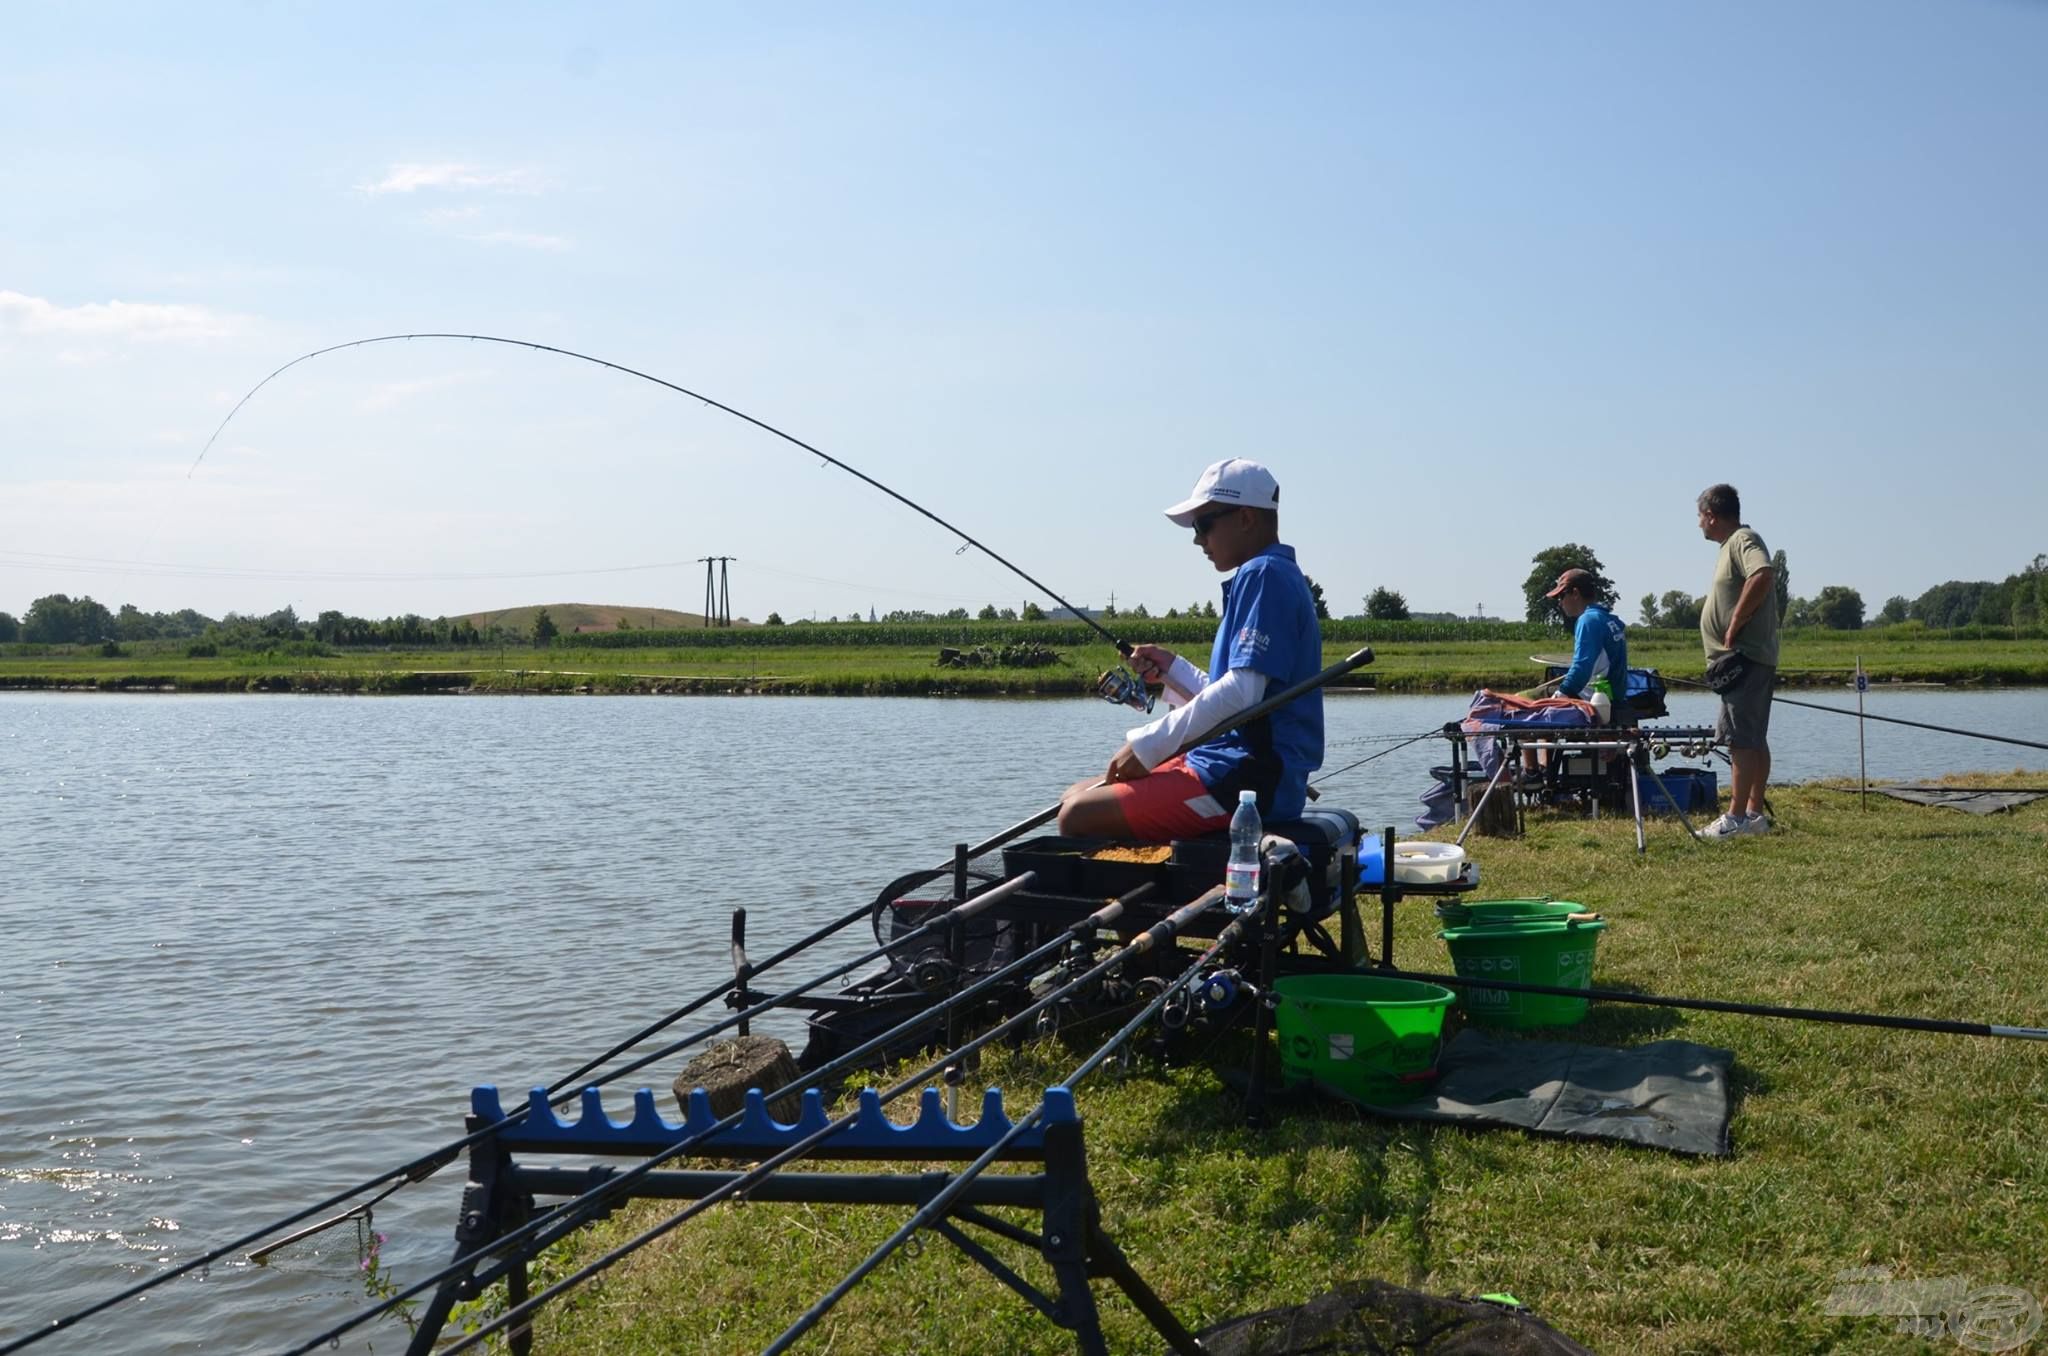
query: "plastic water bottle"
1601, 695
1241, 877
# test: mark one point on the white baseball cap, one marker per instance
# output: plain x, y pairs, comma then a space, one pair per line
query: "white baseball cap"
1236, 482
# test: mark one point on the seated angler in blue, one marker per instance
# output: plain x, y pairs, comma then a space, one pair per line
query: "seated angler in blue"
1156, 789
1599, 668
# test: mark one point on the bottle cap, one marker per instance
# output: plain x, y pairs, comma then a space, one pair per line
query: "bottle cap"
1247, 797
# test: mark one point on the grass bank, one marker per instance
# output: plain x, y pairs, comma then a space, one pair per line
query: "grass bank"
1816, 658
1853, 1147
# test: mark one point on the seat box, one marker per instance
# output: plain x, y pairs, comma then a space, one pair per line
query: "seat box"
1697, 789
1068, 866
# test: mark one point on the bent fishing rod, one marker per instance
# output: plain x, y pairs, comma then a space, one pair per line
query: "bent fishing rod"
1119, 685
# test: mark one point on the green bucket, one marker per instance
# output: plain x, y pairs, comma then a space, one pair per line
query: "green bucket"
1523, 941
1365, 1037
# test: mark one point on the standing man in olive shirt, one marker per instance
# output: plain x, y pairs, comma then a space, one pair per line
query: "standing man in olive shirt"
1740, 615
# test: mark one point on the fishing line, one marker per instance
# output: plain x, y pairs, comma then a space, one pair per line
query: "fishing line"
1354, 741
1417, 739
1122, 647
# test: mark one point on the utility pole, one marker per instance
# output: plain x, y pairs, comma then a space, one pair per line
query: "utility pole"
717, 590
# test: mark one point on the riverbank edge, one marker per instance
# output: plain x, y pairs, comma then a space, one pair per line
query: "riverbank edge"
528, 682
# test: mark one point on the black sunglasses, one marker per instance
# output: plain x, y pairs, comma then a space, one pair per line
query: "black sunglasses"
1206, 521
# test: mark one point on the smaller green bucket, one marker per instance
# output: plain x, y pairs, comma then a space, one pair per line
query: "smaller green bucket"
1366, 1037
1523, 941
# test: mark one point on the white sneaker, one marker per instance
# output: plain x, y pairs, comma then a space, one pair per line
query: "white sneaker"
1753, 824
1726, 827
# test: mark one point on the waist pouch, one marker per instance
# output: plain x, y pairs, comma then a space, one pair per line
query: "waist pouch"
1724, 673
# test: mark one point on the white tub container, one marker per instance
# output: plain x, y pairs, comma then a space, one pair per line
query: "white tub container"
1427, 863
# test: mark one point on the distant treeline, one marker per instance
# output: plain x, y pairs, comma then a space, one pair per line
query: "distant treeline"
61, 620
2018, 600
2015, 607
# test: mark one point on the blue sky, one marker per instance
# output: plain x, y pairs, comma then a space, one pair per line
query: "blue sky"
1473, 279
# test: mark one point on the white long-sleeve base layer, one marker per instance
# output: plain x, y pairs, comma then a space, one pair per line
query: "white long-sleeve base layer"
1195, 706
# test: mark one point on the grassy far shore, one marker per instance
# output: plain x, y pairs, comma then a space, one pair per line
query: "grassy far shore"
1853, 1147
1821, 658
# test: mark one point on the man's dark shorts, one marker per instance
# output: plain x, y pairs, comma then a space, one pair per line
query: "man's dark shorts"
1746, 708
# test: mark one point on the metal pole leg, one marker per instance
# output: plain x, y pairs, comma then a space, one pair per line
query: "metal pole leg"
1635, 797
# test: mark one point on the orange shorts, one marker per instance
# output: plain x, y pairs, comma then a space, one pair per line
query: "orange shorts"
1171, 803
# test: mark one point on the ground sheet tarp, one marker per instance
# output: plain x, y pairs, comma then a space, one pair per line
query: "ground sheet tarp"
1970, 800
1667, 1095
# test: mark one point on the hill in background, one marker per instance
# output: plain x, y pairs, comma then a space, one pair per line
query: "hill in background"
572, 617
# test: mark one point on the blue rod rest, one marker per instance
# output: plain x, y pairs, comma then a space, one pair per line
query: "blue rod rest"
872, 1133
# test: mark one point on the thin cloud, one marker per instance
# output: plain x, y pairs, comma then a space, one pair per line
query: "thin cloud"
391, 393
24, 314
411, 178
530, 240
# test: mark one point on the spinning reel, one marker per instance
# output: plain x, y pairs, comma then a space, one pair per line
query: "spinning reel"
1123, 688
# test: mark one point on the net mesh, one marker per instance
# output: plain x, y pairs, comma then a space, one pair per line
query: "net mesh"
913, 901
343, 1243
1376, 1319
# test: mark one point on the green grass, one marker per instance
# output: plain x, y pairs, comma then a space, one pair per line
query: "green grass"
1852, 1147
1815, 657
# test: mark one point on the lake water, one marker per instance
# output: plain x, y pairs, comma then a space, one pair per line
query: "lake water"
259, 948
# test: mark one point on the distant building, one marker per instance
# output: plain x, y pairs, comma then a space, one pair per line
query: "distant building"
1073, 614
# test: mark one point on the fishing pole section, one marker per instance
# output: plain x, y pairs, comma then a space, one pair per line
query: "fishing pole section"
1119, 685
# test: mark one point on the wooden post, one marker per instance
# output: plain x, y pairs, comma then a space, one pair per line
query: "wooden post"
729, 1068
